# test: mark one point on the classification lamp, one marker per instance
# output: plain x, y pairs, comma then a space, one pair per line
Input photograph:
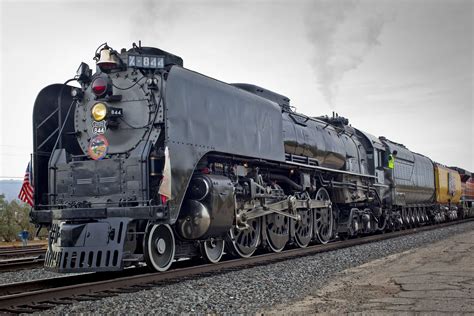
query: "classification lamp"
99, 86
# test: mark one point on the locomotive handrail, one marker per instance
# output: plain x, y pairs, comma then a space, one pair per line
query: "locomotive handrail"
49, 137
59, 140
332, 170
60, 122
148, 203
47, 118
41, 153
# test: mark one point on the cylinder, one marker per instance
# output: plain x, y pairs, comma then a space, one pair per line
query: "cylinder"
195, 221
208, 209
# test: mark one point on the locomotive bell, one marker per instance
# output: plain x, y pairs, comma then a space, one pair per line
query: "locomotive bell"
107, 60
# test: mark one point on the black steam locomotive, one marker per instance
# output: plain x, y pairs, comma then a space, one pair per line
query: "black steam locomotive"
150, 162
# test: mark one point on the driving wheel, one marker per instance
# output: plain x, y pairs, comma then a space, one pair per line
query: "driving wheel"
323, 218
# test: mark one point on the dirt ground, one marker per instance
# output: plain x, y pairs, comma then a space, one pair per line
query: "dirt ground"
437, 279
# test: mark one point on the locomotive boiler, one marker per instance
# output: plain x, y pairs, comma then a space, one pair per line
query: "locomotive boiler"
145, 161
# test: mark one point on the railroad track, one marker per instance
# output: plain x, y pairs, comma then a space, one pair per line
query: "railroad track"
33, 296
3, 248
21, 264
22, 252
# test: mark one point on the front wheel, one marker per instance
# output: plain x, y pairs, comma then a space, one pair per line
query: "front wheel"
159, 248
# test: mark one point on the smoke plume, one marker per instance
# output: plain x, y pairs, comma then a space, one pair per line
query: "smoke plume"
151, 20
342, 32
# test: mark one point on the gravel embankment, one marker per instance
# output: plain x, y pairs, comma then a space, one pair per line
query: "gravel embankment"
253, 289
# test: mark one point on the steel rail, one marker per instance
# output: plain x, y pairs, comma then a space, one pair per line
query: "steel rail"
25, 300
20, 264
6, 248
22, 252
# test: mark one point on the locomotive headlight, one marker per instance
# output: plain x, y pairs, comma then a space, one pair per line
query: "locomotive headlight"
99, 111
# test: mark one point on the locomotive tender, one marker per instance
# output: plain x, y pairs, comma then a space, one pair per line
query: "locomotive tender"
148, 161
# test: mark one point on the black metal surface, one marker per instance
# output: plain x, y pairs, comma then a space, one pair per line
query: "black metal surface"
243, 124
45, 132
279, 99
89, 178
136, 105
413, 176
87, 246
138, 212
213, 214
314, 139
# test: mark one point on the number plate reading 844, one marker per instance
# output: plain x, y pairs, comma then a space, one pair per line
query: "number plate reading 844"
142, 61
99, 128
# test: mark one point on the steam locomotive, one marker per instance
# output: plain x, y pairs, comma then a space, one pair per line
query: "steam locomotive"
148, 162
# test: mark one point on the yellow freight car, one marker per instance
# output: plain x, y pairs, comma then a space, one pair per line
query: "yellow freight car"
448, 185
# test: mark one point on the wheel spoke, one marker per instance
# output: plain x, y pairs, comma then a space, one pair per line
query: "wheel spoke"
303, 228
323, 218
243, 243
277, 231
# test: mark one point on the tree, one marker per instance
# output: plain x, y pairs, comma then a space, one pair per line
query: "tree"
14, 217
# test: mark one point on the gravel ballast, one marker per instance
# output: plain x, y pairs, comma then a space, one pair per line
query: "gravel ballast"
27, 275
250, 290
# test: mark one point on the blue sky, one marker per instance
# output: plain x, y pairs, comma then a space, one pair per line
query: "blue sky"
402, 69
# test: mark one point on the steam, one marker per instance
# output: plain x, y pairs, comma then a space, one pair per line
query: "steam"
152, 20
343, 33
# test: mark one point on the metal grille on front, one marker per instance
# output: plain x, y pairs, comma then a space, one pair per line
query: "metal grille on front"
82, 260
82, 247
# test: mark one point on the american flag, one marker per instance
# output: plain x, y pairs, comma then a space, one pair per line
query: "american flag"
26, 192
